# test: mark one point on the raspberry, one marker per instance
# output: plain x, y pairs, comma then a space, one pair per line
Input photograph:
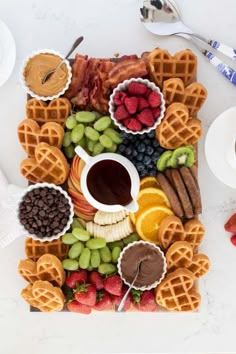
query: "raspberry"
148, 92
146, 117
233, 240
121, 113
156, 112
142, 103
133, 124
136, 88
154, 99
119, 97
131, 104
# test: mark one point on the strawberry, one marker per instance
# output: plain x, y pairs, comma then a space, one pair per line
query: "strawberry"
131, 104
230, 226
233, 240
146, 302
103, 301
79, 277
154, 99
96, 280
133, 124
128, 302
113, 285
121, 113
86, 294
146, 117
75, 306
137, 88
156, 112
142, 103
119, 97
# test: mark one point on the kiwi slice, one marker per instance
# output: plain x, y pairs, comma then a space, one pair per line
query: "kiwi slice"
183, 156
164, 160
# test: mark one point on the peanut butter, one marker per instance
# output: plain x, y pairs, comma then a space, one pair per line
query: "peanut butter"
37, 67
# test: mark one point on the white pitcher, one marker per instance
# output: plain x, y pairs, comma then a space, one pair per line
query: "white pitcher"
130, 168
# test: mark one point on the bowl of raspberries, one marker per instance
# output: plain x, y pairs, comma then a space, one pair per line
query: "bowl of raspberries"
137, 106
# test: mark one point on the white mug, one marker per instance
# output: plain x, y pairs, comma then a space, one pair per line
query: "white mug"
130, 168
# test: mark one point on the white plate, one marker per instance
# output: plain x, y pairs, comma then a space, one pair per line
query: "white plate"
220, 145
7, 53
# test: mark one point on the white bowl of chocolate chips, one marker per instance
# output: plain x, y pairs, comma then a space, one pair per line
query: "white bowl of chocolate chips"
45, 212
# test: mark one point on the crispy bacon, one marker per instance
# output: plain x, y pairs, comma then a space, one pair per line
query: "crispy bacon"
79, 69
126, 69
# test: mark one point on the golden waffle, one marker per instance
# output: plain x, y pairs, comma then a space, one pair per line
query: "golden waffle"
171, 230
163, 66
34, 249
200, 265
48, 267
194, 232
179, 255
56, 111
30, 135
44, 296
176, 292
193, 96
177, 128
48, 165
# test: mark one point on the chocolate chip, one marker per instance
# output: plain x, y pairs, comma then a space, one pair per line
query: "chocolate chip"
42, 213
40, 203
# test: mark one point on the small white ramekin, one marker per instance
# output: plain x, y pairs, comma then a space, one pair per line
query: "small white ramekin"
70, 219
33, 94
123, 86
153, 285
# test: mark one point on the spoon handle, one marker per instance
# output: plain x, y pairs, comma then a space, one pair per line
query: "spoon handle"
223, 48
122, 303
74, 46
223, 68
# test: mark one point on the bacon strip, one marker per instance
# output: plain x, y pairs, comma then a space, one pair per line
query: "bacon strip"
126, 69
78, 75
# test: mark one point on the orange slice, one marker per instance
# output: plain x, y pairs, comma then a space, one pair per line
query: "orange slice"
148, 221
147, 182
148, 197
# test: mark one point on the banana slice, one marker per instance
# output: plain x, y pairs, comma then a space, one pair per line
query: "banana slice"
112, 232
104, 218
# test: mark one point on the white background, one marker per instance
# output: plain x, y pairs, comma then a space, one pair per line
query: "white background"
108, 27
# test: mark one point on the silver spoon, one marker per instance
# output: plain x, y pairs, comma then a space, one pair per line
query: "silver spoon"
51, 72
162, 17
122, 303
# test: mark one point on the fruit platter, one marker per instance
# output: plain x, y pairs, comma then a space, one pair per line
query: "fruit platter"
113, 201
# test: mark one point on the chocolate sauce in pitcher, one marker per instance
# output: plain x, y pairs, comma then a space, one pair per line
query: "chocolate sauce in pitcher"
109, 183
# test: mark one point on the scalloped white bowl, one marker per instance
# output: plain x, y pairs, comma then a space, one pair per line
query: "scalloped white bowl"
70, 219
153, 285
33, 94
123, 86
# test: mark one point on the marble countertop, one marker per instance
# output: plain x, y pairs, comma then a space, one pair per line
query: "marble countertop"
110, 27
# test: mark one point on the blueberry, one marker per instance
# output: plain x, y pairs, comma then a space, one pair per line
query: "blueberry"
153, 173
147, 160
151, 134
141, 147
147, 142
149, 150
156, 155
142, 137
140, 167
160, 149
134, 153
155, 144
128, 151
139, 157
121, 148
